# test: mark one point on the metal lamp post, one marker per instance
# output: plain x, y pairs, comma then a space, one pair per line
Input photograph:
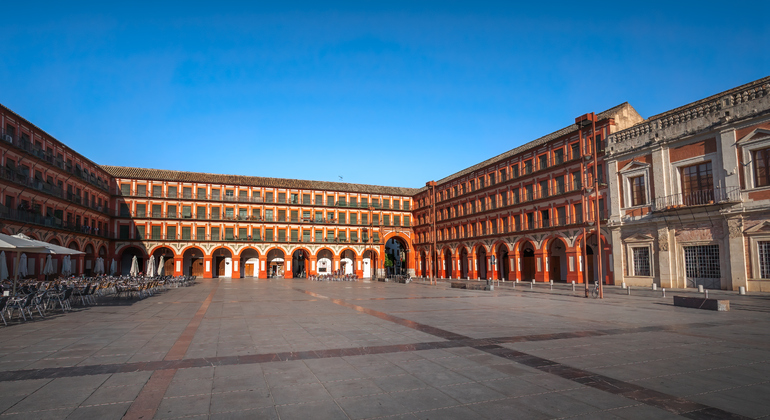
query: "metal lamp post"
584, 122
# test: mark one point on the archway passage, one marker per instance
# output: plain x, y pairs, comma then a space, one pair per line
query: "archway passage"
423, 264
370, 262
298, 264
127, 255
250, 263
168, 260
223, 263
591, 277
396, 251
275, 263
347, 262
503, 265
464, 263
90, 259
447, 263
557, 260
192, 262
527, 252
481, 262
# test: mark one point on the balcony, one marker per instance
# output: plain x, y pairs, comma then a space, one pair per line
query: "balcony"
710, 197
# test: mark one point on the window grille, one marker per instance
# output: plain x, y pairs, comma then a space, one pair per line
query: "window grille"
642, 261
764, 260
701, 265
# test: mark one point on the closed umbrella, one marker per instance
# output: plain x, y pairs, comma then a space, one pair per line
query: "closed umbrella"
23, 266
113, 267
161, 263
48, 267
99, 268
3, 267
66, 266
134, 267
150, 267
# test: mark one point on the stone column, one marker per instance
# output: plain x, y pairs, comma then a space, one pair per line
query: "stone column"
178, 265
665, 269
618, 256
262, 267
541, 273
735, 253
208, 268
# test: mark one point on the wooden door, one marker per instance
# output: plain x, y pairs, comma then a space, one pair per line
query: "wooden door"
197, 267
527, 268
555, 266
168, 267
249, 270
221, 267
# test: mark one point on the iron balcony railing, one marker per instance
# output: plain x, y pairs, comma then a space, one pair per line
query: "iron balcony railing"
698, 198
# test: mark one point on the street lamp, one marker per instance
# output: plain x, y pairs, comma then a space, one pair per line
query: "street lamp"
583, 122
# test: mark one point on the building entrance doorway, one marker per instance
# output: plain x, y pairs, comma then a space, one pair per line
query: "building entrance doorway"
527, 262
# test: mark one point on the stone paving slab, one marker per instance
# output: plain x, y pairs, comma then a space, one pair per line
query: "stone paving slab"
296, 349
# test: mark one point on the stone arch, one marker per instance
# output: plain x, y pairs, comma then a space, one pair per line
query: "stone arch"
556, 259
276, 262
526, 251
324, 261
397, 250
73, 244
54, 241
168, 255
464, 256
369, 263
89, 259
300, 258
249, 262
221, 262
126, 256
502, 261
193, 261
447, 254
347, 261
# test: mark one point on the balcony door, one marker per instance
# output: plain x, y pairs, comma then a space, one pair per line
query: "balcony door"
697, 184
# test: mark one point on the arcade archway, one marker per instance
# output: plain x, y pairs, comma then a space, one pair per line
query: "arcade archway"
397, 251
557, 260
463, 263
127, 255
298, 264
168, 260
448, 263
370, 264
481, 262
275, 263
347, 262
250, 263
192, 262
527, 253
503, 263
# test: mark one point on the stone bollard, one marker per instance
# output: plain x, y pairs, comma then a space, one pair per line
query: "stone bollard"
532, 285
707, 294
654, 286
623, 285
741, 290
573, 285
628, 290
664, 291
551, 284
700, 288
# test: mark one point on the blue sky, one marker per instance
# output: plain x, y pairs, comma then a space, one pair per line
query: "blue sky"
388, 93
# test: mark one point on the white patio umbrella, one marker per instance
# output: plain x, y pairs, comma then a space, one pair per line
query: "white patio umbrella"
3, 267
23, 266
150, 267
134, 267
99, 265
18, 245
66, 266
113, 267
48, 267
161, 263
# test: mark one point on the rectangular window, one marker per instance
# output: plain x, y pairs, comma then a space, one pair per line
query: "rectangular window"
544, 189
243, 214
578, 213
229, 213
330, 200
268, 215
269, 234
214, 233
342, 236
124, 229
229, 194
306, 199
641, 257
155, 232
576, 183
762, 167
638, 195
559, 184
364, 202
201, 193
530, 220
764, 259
386, 219
364, 219
215, 194
157, 210
268, 199
697, 184
354, 236
256, 234
329, 236
318, 200
376, 219
319, 216
140, 232
545, 218
187, 192
528, 167
385, 203
171, 192
295, 235
319, 236
243, 233
295, 215
186, 233
396, 220
561, 216
141, 190
282, 235
200, 233
141, 210
157, 191
342, 218
215, 213
353, 218
529, 192
406, 205
281, 197
243, 195
281, 215
543, 162
229, 235
305, 236
125, 189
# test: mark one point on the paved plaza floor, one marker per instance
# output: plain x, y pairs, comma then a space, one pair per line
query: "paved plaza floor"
299, 349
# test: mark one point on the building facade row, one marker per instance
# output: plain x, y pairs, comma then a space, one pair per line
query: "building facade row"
678, 200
